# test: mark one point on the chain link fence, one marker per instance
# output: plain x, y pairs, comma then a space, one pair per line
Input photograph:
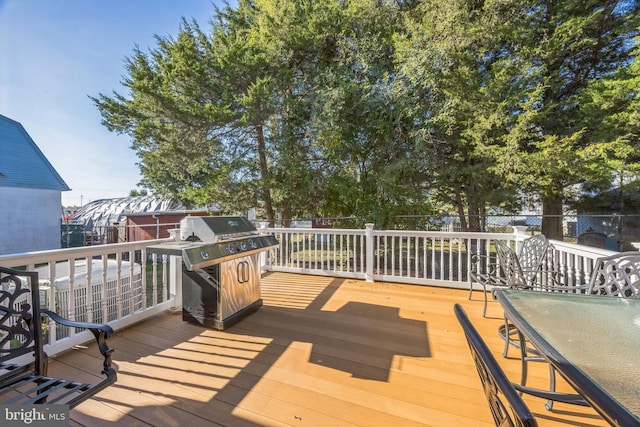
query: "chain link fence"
615, 232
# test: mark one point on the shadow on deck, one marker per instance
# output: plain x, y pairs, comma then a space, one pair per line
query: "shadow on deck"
320, 352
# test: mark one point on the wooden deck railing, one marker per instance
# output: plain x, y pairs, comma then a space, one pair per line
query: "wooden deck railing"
415, 257
139, 284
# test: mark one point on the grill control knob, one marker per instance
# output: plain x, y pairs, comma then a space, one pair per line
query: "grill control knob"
243, 246
253, 244
204, 254
230, 249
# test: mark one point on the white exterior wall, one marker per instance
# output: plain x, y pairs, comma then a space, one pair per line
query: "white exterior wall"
29, 220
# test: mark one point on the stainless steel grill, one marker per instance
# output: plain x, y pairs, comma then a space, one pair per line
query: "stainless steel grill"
220, 269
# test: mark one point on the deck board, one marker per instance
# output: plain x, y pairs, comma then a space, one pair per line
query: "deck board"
321, 351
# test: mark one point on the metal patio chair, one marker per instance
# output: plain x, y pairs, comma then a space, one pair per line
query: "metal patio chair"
516, 278
528, 271
503, 395
616, 275
24, 375
540, 281
506, 404
508, 269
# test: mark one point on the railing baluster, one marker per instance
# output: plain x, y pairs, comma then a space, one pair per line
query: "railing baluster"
165, 284
105, 295
334, 245
362, 256
450, 252
348, 251
425, 241
154, 281
433, 258
119, 294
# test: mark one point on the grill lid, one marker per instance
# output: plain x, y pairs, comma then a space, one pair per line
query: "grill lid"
213, 229
210, 240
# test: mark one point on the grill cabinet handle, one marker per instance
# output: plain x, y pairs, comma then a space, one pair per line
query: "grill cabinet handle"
242, 271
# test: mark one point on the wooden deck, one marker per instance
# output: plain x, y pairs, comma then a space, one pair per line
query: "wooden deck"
320, 352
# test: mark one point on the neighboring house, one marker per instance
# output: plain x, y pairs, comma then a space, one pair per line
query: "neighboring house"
149, 226
612, 216
30, 193
131, 218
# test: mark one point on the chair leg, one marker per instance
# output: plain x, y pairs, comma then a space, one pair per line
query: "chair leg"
506, 332
523, 356
484, 292
552, 386
525, 360
507, 339
484, 309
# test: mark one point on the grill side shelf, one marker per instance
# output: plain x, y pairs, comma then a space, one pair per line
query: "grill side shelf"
171, 248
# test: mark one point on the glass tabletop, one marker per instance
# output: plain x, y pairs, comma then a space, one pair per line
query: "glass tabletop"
598, 335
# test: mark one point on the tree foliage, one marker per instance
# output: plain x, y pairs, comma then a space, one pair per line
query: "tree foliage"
456, 62
570, 44
376, 108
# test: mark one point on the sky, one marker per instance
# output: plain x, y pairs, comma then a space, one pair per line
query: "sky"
55, 54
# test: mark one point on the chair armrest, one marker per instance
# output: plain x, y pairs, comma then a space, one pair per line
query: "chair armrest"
100, 331
551, 280
106, 329
574, 399
483, 265
476, 258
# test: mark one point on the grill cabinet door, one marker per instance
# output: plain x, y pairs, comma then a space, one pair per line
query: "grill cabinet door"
240, 284
201, 295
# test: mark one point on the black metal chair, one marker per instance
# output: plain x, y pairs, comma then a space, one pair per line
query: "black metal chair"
518, 279
503, 395
529, 271
485, 271
23, 362
505, 403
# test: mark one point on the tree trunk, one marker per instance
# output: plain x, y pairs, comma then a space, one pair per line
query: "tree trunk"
460, 208
264, 172
475, 219
285, 221
552, 216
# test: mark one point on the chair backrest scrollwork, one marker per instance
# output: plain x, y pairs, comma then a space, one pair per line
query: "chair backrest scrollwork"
509, 265
616, 275
532, 255
20, 322
521, 269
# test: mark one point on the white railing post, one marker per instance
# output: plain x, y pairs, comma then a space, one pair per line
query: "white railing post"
369, 254
175, 281
263, 255
520, 234
175, 275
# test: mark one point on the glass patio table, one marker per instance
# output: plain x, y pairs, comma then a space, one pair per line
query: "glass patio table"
592, 341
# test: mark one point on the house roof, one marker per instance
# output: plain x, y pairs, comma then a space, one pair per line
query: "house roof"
22, 164
105, 212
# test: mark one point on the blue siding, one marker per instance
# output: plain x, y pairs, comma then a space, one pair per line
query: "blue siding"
22, 164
